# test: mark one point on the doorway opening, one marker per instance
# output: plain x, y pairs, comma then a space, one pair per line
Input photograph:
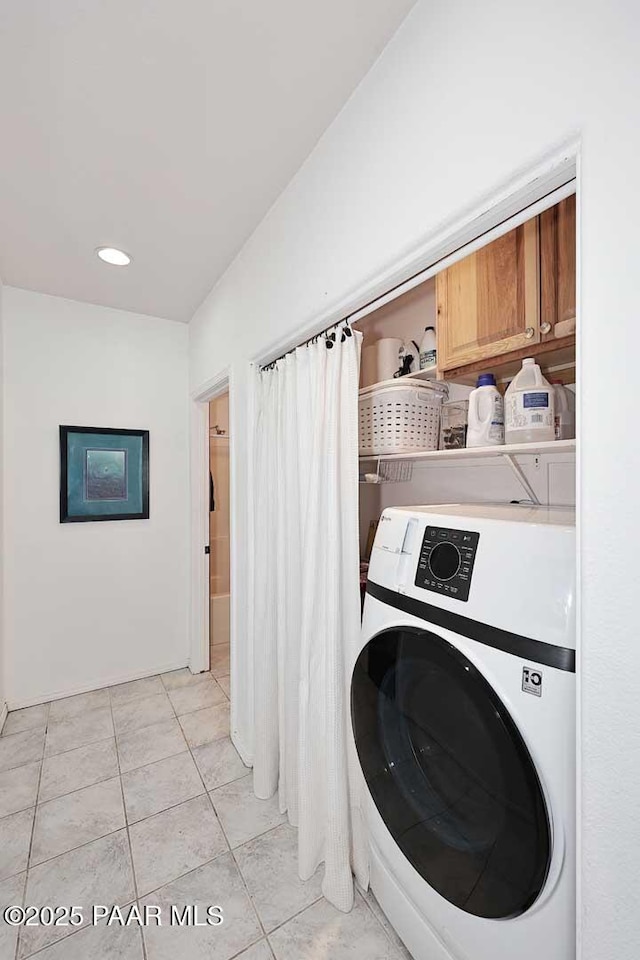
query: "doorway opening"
219, 584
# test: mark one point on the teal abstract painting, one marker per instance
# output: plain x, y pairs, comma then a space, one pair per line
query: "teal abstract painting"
104, 474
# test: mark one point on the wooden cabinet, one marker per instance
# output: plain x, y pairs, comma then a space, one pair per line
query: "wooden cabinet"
514, 298
489, 303
558, 270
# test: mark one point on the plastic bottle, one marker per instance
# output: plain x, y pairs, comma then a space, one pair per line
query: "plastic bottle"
565, 411
529, 406
428, 355
486, 414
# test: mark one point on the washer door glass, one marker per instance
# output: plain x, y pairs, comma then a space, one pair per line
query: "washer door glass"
449, 773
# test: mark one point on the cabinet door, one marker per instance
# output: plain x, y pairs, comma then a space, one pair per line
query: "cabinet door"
488, 303
558, 266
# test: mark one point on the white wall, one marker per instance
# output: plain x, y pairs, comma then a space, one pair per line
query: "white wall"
2, 656
463, 98
88, 604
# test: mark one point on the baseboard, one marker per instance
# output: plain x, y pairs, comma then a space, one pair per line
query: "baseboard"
4, 710
97, 684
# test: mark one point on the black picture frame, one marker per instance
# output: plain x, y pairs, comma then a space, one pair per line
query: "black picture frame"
67, 514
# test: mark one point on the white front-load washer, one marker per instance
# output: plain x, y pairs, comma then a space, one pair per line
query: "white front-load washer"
463, 718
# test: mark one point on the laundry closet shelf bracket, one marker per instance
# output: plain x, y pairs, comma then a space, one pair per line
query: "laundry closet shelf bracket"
521, 477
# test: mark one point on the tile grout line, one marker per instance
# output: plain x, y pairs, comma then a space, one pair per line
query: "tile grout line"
181, 876
294, 915
86, 843
240, 873
91, 743
27, 762
24, 894
33, 826
171, 806
62, 796
33, 706
322, 897
5, 816
142, 766
67, 936
6, 736
377, 918
126, 823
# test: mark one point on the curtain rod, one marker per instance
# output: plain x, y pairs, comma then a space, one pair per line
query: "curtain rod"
330, 338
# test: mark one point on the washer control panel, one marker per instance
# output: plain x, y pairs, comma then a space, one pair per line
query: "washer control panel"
446, 561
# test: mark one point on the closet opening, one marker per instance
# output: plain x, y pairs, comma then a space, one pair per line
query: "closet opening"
471, 320
219, 504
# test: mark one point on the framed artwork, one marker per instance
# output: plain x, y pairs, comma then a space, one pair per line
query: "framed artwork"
104, 474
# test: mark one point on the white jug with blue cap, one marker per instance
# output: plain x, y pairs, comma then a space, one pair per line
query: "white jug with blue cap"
486, 414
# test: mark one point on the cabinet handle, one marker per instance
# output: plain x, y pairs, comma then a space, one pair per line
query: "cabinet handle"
545, 327
529, 332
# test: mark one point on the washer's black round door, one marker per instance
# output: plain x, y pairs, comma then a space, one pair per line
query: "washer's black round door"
450, 773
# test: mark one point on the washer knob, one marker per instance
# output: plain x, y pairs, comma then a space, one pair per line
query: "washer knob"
444, 561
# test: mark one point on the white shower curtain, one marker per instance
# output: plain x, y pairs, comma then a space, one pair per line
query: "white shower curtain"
307, 605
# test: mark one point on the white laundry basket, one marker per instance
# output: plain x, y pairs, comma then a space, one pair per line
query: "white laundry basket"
400, 416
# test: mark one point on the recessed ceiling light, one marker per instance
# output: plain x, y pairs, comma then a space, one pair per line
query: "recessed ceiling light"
117, 258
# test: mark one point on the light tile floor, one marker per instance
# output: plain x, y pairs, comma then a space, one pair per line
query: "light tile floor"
135, 795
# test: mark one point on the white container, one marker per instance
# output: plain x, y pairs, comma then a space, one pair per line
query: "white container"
529, 406
565, 411
428, 355
402, 416
381, 360
486, 414
369, 365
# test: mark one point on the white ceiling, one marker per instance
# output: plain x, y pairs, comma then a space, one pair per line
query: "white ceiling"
164, 127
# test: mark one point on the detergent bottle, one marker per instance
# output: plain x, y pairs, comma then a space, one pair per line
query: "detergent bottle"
486, 414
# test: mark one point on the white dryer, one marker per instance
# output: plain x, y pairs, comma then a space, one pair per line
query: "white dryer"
463, 717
